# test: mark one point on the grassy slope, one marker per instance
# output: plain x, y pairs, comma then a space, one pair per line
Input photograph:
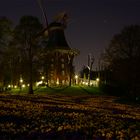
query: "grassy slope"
74, 90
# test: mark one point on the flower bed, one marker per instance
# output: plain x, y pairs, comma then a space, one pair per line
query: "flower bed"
67, 117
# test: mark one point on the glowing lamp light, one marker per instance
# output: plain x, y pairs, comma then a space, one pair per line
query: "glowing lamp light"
97, 79
42, 77
21, 80
9, 86
23, 86
76, 76
15, 86
57, 82
76, 79
39, 83
91, 84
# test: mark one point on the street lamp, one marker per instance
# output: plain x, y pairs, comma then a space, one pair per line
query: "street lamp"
21, 81
42, 77
90, 68
23, 85
76, 78
97, 79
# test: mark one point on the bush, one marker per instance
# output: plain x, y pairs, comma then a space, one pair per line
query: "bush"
114, 90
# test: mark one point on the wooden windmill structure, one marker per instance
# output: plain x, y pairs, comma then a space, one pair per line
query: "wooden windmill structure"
59, 55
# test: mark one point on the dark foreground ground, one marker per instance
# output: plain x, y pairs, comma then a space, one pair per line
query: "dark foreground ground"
66, 117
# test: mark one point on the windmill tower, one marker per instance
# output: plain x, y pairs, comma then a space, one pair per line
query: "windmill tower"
59, 55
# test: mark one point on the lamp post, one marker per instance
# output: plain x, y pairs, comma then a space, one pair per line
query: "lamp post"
90, 67
21, 81
76, 79
97, 81
42, 78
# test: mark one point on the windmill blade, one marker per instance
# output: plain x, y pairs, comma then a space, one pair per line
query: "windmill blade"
40, 2
45, 30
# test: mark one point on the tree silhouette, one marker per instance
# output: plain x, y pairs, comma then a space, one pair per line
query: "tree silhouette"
122, 57
5, 39
25, 35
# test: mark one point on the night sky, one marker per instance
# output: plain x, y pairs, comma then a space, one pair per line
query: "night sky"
91, 25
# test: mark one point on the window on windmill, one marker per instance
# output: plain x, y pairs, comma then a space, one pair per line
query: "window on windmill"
52, 81
62, 66
63, 72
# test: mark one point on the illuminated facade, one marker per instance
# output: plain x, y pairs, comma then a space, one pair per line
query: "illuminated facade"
59, 56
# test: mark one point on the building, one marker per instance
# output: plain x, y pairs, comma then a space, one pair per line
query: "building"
59, 56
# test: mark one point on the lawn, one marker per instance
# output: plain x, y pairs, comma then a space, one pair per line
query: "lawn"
73, 90
67, 114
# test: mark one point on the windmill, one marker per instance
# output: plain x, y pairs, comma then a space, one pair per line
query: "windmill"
59, 18
59, 55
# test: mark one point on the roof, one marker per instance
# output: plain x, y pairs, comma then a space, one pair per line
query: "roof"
57, 38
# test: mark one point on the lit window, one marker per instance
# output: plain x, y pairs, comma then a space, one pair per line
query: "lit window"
63, 82
52, 81
62, 66
63, 73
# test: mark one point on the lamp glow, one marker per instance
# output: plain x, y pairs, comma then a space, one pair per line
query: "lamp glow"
97, 79
42, 77
76, 76
21, 80
23, 86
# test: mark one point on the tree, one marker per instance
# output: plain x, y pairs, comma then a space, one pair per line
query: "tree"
25, 36
6, 30
122, 58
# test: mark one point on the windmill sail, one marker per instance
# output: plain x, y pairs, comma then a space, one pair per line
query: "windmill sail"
40, 2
